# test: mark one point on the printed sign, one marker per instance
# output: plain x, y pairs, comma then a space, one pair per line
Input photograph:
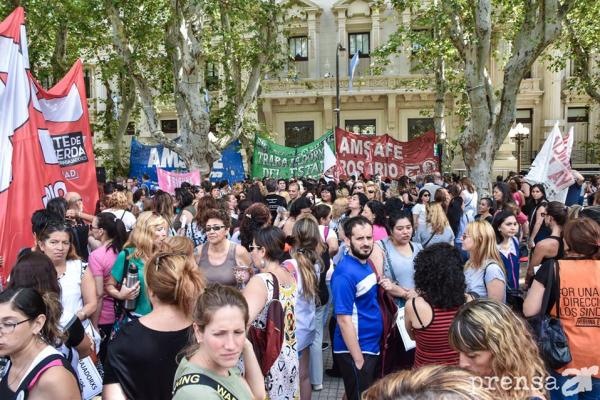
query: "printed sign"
385, 155
169, 181
276, 161
145, 159
230, 166
45, 140
70, 149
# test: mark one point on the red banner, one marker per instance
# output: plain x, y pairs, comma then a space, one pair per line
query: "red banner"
385, 155
45, 141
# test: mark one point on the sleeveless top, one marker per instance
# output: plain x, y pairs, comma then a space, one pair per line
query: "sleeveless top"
433, 347
70, 290
222, 273
49, 357
282, 381
561, 249
579, 291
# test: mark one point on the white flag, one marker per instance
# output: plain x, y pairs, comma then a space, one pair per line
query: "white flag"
353, 65
552, 167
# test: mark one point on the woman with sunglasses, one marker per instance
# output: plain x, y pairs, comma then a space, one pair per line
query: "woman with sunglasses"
28, 333
282, 380
141, 360
219, 257
419, 210
148, 234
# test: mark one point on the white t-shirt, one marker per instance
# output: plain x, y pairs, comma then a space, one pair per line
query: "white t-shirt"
330, 234
420, 210
125, 216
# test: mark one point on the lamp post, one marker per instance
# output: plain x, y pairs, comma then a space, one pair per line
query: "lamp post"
518, 134
337, 84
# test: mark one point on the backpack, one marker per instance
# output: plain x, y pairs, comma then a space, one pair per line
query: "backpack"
267, 342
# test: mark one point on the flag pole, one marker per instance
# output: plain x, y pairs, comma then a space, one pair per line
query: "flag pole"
337, 83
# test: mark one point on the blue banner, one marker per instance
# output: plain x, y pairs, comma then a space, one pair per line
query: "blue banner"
229, 167
145, 158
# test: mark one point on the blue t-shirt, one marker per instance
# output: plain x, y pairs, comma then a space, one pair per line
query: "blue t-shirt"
354, 290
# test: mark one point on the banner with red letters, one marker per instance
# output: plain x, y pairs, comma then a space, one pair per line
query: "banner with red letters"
385, 155
45, 140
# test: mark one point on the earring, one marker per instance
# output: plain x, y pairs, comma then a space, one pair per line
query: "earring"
263, 263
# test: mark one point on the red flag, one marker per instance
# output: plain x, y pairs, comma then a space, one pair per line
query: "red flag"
45, 141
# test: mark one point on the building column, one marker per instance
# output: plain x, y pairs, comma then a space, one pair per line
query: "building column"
313, 46
268, 113
391, 115
343, 40
328, 112
375, 28
552, 102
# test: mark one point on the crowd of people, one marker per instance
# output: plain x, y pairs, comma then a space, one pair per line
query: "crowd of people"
421, 288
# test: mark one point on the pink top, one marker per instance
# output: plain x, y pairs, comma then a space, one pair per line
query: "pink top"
379, 232
101, 262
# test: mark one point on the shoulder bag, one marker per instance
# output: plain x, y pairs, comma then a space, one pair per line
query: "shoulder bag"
547, 330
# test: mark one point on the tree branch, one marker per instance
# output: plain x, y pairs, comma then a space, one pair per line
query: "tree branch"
581, 60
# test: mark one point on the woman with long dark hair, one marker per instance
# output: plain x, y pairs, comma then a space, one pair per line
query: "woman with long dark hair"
374, 211
555, 217
539, 230
110, 232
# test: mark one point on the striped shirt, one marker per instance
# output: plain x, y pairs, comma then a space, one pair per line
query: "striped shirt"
433, 347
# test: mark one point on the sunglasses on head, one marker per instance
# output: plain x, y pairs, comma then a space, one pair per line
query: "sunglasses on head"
215, 228
371, 191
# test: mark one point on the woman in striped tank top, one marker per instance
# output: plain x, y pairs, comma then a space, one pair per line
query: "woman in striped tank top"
440, 283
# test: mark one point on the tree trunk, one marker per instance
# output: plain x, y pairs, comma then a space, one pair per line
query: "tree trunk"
59, 55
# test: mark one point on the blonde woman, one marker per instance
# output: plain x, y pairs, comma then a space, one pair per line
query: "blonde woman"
339, 208
372, 191
118, 205
496, 345
429, 382
148, 234
436, 229
484, 274
141, 359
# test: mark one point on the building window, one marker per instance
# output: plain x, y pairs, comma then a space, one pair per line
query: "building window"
418, 126
360, 42
87, 79
578, 118
298, 48
525, 116
361, 126
212, 76
299, 133
168, 125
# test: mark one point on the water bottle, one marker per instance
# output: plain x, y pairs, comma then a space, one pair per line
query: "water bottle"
131, 279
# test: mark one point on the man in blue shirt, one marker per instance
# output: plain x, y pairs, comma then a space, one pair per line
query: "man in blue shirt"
356, 341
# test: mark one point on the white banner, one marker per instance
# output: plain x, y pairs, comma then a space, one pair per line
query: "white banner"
552, 166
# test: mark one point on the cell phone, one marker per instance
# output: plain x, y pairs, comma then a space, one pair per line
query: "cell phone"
281, 210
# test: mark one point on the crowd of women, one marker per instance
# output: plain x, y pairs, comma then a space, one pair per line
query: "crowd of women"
162, 292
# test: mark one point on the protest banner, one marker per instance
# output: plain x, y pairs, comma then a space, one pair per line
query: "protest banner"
276, 161
230, 166
168, 181
145, 159
552, 167
45, 140
385, 155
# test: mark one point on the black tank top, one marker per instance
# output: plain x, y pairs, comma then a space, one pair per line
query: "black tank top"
7, 394
561, 249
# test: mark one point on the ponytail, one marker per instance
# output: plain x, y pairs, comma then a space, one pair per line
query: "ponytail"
32, 304
307, 249
115, 230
